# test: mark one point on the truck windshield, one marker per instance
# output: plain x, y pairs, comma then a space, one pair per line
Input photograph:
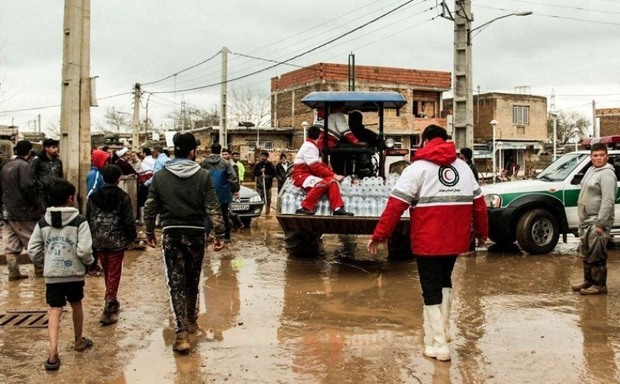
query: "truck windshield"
561, 168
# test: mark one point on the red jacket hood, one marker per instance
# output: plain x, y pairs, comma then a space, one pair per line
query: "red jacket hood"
99, 158
437, 151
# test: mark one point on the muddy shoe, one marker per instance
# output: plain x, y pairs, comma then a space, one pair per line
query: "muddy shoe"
594, 290
181, 344
114, 306
579, 287
108, 318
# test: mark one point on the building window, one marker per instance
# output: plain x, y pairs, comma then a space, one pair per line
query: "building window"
520, 114
423, 109
263, 144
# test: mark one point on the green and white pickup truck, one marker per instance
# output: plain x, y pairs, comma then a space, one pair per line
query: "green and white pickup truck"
535, 212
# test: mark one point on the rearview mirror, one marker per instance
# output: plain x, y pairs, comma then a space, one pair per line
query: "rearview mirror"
577, 179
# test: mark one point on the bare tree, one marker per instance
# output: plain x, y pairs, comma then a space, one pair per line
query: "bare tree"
117, 119
190, 116
251, 105
569, 125
52, 130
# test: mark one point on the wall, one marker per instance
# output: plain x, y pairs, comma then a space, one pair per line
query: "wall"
609, 119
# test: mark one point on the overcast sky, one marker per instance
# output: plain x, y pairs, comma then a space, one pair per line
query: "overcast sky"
569, 48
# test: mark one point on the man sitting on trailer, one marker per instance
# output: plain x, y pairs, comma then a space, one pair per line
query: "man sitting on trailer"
315, 177
337, 127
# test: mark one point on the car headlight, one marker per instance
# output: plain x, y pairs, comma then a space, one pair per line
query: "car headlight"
493, 200
255, 199
390, 143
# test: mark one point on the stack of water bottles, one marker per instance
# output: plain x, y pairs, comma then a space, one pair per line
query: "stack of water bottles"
365, 197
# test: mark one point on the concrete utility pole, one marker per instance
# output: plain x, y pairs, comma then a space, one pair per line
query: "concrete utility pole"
463, 131
223, 99
135, 137
75, 142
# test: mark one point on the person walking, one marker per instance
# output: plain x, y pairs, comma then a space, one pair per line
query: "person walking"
225, 181
595, 208
236, 158
46, 168
436, 186
94, 179
281, 171
184, 194
316, 178
264, 172
21, 208
113, 229
144, 174
61, 244
466, 154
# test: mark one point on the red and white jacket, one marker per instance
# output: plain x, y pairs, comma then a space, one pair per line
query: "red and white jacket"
309, 169
337, 128
443, 197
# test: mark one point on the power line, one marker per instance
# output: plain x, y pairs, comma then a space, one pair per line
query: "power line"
298, 55
553, 16
183, 70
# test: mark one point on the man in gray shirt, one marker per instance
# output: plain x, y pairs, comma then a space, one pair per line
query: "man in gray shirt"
595, 208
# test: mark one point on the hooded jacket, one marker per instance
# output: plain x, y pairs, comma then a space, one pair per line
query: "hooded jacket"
443, 197
61, 242
19, 197
224, 177
94, 179
45, 170
111, 218
597, 198
183, 194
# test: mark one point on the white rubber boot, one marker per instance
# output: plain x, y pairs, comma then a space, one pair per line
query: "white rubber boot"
446, 307
438, 348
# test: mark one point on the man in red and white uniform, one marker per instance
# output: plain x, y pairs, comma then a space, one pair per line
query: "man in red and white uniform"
314, 176
444, 198
337, 128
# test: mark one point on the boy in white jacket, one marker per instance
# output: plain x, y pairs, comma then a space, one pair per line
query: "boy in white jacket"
61, 242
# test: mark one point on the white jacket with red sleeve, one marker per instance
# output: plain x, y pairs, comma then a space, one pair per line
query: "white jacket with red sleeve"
309, 168
444, 199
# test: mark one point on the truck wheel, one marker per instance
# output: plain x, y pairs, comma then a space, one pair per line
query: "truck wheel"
538, 232
303, 244
399, 247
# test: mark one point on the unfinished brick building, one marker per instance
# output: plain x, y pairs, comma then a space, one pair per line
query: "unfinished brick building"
422, 89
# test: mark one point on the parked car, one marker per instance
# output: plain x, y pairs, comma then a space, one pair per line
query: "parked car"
535, 212
248, 205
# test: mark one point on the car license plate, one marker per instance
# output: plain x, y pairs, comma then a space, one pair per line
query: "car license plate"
239, 207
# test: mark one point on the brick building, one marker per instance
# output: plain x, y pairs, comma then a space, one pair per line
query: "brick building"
609, 120
521, 128
422, 89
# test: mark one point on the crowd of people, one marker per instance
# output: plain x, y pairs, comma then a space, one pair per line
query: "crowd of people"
40, 215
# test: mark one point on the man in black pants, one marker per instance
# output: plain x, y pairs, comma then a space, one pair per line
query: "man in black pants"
184, 195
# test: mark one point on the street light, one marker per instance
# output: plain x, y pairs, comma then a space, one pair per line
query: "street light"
305, 125
554, 117
484, 25
493, 124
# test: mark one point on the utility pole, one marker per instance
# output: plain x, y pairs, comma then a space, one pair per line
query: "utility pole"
596, 129
463, 131
223, 100
135, 137
351, 72
75, 141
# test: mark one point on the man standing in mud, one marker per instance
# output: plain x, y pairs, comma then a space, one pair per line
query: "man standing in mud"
183, 194
21, 208
595, 208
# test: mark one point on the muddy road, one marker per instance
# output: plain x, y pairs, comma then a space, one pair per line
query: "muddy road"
340, 318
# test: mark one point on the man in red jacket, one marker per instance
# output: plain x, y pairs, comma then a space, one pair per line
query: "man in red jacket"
311, 174
443, 197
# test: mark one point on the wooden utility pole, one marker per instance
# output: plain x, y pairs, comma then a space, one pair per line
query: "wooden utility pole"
223, 100
75, 139
135, 138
